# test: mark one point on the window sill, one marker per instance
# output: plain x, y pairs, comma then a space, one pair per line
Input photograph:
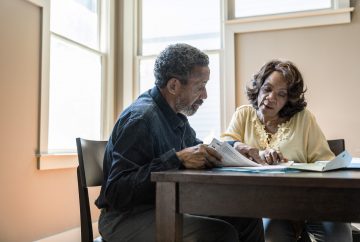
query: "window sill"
57, 161
291, 20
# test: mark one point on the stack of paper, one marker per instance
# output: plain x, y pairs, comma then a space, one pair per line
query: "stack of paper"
341, 161
232, 158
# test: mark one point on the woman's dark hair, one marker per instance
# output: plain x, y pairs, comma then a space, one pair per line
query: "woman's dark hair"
296, 100
178, 61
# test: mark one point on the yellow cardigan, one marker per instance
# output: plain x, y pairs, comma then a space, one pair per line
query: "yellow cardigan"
300, 139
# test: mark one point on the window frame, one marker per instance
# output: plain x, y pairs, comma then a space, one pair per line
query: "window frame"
135, 8
45, 159
128, 63
340, 13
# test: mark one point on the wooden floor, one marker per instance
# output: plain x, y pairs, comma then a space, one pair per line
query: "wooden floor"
72, 235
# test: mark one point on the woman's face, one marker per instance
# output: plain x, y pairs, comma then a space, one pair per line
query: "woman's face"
273, 95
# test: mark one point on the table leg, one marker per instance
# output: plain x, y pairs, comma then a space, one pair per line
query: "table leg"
168, 220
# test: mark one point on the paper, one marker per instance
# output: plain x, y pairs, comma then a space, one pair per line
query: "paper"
231, 157
282, 166
341, 161
355, 163
259, 169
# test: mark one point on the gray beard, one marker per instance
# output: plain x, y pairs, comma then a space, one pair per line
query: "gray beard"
182, 108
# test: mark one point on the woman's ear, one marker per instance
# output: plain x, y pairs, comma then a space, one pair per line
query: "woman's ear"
172, 86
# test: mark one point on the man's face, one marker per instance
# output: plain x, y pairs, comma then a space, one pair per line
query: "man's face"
193, 93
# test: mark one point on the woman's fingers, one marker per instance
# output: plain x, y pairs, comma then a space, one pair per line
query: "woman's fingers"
273, 157
253, 155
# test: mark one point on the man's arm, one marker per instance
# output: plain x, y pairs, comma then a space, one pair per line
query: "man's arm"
132, 161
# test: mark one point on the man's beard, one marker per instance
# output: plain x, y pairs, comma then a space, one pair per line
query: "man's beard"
187, 110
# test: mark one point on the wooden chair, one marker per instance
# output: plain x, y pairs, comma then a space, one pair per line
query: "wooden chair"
337, 145
89, 174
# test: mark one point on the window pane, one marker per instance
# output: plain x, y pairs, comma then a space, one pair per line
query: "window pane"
77, 20
246, 8
75, 95
147, 79
166, 22
206, 121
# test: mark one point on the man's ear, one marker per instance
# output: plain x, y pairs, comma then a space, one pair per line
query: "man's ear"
172, 86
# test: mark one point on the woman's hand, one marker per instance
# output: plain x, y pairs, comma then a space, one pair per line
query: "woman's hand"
249, 152
272, 157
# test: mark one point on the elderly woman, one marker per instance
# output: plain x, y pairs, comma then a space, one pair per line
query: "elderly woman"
277, 127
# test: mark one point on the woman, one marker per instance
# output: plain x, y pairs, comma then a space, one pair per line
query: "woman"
277, 127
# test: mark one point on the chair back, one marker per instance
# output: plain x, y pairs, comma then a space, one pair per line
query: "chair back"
337, 145
89, 174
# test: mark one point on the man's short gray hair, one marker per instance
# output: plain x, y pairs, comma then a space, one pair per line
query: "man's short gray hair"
178, 61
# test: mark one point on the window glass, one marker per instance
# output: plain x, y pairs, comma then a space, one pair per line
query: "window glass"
247, 8
77, 20
206, 121
187, 21
75, 95
196, 23
147, 79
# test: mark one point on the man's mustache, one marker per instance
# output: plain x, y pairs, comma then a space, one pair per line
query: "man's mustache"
199, 102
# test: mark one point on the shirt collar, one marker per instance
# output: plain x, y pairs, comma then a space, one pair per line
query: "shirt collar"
174, 119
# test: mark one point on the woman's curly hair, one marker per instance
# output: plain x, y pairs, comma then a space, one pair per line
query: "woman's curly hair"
178, 61
296, 100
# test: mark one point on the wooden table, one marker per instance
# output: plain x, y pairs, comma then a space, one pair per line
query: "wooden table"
332, 196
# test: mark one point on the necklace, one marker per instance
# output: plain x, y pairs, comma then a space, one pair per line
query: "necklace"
268, 137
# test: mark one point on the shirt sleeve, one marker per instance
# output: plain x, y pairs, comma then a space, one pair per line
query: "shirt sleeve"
317, 146
235, 130
132, 161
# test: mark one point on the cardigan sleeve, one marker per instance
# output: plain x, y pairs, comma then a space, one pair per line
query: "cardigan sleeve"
235, 130
317, 146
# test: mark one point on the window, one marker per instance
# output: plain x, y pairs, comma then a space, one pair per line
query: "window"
248, 8
167, 22
75, 85
76, 69
245, 16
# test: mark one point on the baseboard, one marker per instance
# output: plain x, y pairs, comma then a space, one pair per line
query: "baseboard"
71, 235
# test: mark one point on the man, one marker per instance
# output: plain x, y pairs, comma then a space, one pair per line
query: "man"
153, 134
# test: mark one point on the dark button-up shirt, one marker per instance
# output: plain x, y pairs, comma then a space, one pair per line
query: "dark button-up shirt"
144, 139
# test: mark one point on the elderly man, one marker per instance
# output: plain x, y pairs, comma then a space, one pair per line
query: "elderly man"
153, 134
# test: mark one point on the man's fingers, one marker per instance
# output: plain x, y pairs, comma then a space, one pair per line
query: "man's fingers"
213, 154
210, 163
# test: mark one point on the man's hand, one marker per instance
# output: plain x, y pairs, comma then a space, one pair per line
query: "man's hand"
249, 152
272, 157
199, 157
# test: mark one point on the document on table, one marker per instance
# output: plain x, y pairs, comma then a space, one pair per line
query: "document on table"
340, 161
233, 158
355, 163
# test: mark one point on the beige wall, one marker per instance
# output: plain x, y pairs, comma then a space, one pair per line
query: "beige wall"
34, 204
328, 58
